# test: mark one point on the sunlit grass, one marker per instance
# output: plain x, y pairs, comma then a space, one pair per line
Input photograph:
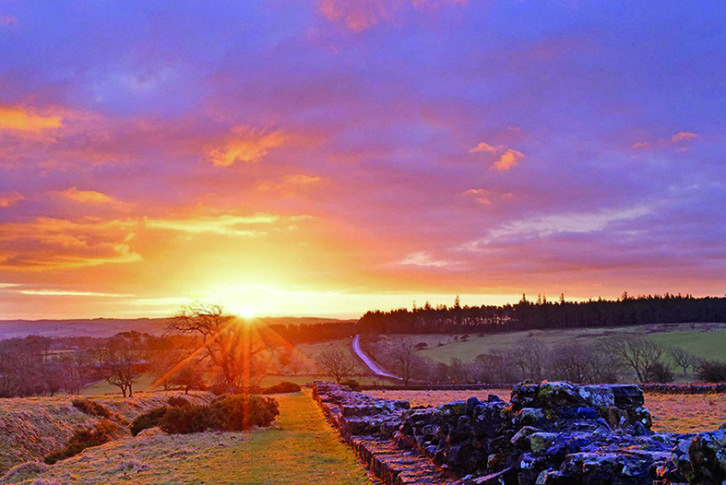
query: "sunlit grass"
301, 449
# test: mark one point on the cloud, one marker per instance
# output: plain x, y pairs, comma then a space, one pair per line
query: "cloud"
54, 243
229, 225
51, 292
546, 226
506, 158
8, 20
357, 15
479, 195
86, 196
683, 135
15, 118
290, 185
640, 145
423, 259
246, 145
10, 198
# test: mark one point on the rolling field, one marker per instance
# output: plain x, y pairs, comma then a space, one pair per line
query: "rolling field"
672, 413
706, 341
300, 449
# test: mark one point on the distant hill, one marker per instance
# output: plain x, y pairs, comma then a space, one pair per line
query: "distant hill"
106, 327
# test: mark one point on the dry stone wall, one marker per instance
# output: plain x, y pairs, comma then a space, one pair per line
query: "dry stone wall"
550, 433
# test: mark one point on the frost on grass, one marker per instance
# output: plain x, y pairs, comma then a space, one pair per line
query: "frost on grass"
31, 428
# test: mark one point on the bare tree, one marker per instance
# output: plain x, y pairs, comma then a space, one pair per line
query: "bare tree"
188, 376
638, 353
530, 354
335, 362
228, 344
682, 358
119, 365
405, 361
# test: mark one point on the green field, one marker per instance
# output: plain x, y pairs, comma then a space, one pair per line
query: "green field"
301, 449
707, 341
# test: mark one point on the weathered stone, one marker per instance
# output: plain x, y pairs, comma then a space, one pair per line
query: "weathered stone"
707, 452
627, 395
597, 396
521, 438
529, 417
553, 395
453, 408
541, 441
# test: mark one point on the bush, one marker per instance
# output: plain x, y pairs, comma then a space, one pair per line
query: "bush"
92, 408
242, 411
178, 402
228, 413
281, 388
352, 383
219, 388
658, 372
186, 419
83, 438
148, 420
711, 371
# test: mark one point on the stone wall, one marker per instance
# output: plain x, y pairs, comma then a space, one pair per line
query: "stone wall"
550, 433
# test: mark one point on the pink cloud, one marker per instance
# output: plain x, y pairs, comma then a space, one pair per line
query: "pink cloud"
683, 135
10, 198
506, 158
8, 20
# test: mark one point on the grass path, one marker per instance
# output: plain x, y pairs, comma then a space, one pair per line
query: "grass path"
301, 449
304, 449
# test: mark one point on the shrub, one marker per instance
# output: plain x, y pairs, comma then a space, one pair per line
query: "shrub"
352, 383
658, 372
148, 420
281, 388
242, 411
711, 370
186, 419
83, 438
178, 401
92, 408
219, 388
228, 413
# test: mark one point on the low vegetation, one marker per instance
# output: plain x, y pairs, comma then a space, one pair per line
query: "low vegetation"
83, 438
303, 445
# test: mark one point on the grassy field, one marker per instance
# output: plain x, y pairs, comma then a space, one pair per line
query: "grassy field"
672, 413
704, 340
32, 427
301, 449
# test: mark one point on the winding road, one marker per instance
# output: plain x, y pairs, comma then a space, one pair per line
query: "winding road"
368, 361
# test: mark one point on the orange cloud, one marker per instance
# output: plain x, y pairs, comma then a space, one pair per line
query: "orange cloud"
479, 195
86, 196
683, 135
19, 119
291, 184
51, 243
246, 145
10, 198
506, 157
640, 145
227, 224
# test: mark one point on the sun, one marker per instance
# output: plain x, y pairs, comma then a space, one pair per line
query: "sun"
246, 312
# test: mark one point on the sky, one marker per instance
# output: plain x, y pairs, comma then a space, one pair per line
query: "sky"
333, 156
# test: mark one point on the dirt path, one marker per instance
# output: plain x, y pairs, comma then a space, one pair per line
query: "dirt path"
301, 449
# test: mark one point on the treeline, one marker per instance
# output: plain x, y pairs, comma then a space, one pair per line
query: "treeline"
545, 314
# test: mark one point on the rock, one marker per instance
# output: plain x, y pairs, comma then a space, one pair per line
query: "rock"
500, 461
541, 441
529, 417
495, 398
597, 396
707, 453
627, 395
471, 403
553, 395
508, 475
521, 438
524, 395
453, 408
